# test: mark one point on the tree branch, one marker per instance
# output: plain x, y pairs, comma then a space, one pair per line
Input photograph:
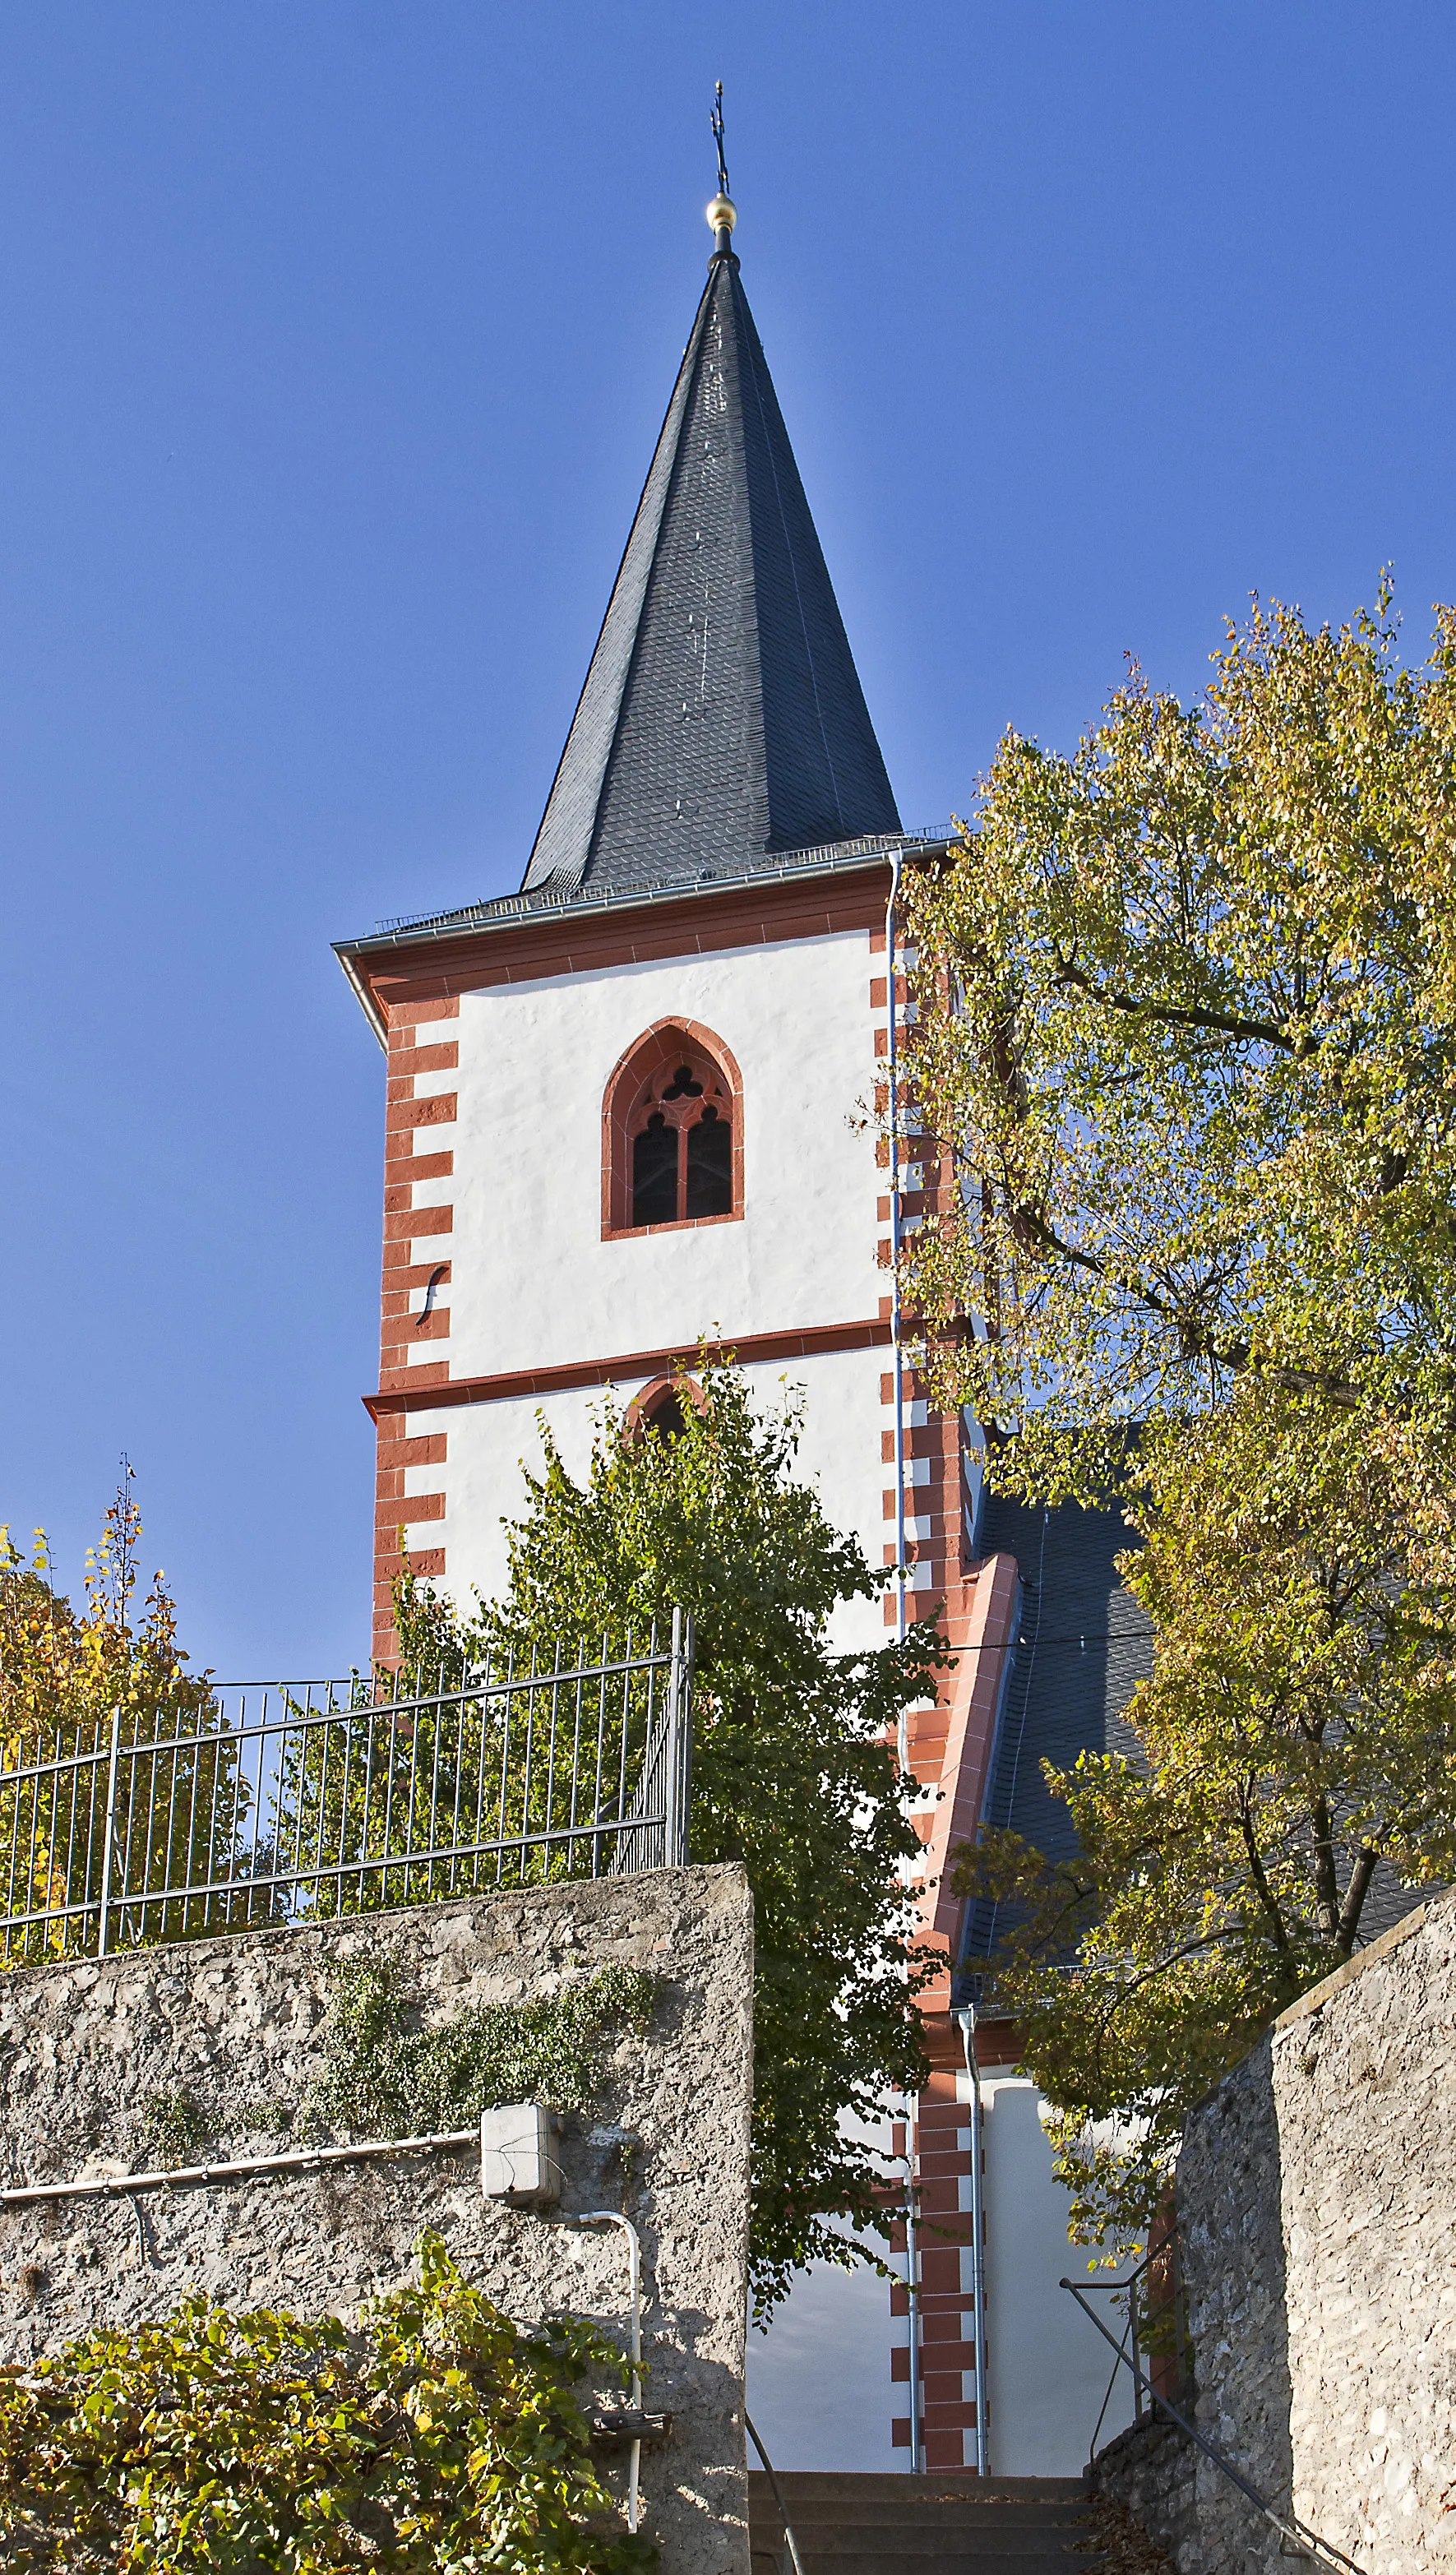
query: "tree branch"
1170, 1013
1358, 1889
1326, 1892
1266, 1894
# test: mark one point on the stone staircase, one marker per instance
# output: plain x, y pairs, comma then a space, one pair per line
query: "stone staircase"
926, 2525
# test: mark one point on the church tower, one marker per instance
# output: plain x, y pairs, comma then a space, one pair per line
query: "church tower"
632, 1109
623, 1101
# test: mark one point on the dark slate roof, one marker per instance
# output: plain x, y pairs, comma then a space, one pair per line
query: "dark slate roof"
1084, 1641
504, 911
1083, 1644
722, 721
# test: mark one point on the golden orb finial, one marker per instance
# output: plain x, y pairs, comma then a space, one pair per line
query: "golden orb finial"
722, 214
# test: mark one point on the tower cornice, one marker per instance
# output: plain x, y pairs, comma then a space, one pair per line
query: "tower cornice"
520, 937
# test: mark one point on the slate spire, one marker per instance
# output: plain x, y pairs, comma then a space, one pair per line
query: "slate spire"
721, 721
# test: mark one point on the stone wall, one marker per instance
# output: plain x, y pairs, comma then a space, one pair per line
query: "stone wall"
1316, 2194
237, 2024
1149, 2469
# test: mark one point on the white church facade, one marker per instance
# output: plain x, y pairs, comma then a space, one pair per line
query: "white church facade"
636, 1107
543, 1084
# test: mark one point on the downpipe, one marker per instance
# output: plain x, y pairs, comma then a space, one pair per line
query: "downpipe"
912, 2284
966, 2019
613, 2217
897, 1342
902, 1728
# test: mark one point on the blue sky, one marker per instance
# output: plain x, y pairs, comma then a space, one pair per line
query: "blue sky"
337, 339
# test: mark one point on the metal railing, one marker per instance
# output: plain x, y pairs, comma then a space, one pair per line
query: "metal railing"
1157, 2329
790, 2563
233, 1808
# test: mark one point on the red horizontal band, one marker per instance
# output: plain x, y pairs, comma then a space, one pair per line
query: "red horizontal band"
557, 1381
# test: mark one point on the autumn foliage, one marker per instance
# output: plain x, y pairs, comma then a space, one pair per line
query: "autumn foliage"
1188, 1052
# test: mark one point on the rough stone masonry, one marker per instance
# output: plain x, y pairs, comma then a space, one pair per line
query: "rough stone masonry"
1316, 2195
237, 2023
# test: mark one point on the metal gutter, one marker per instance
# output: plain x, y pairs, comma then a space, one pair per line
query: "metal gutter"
510, 912
363, 995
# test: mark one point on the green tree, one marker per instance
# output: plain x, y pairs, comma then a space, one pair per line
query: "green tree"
437, 2440
1188, 1053
792, 1768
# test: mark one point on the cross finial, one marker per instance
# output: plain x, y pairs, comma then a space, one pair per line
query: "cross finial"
722, 214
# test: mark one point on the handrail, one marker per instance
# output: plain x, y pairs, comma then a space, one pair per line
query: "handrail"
1306, 2542
791, 2543
1167, 2246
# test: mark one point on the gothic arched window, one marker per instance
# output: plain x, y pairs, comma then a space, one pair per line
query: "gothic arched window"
661, 1407
672, 1132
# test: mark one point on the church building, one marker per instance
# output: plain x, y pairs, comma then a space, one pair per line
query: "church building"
638, 1106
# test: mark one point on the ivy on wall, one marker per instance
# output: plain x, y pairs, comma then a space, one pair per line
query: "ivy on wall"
381, 2078
172, 2125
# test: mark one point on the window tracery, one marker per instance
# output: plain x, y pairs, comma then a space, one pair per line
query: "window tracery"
673, 1134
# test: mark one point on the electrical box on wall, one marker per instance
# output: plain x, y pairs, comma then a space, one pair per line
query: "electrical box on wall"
518, 2155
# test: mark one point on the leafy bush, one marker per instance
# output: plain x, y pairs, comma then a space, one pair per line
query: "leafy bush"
439, 2441
180, 1816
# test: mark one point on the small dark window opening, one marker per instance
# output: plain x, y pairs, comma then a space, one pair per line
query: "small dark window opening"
666, 1414
711, 1166
680, 1137
655, 1173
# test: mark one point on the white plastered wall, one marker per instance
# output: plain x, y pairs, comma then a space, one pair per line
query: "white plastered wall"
489, 1443
536, 1287
1047, 2366
819, 2382
819, 2387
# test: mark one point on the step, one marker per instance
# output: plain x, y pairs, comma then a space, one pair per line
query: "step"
946, 2525
927, 2512
915, 2541
989, 2555
1019, 2524
946, 2485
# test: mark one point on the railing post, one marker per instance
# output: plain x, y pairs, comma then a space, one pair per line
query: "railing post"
680, 1744
102, 1941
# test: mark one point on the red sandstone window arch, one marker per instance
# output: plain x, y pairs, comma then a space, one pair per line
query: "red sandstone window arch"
672, 1132
662, 1404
